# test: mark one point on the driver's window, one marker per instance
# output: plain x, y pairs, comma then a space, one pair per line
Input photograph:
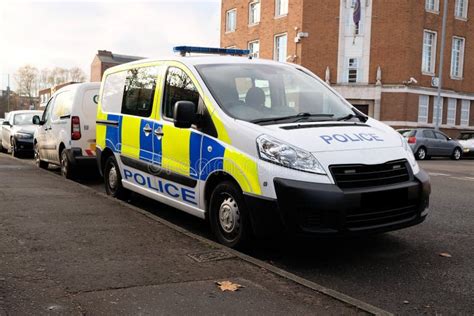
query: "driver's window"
179, 87
441, 136
47, 111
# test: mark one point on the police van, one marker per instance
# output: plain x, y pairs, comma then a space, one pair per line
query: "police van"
66, 130
253, 146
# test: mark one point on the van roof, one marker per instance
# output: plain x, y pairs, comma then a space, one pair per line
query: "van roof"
77, 86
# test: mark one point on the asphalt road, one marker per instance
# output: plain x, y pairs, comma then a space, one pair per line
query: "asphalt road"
404, 272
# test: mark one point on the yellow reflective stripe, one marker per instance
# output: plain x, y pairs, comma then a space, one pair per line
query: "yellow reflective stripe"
131, 136
100, 130
244, 170
175, 149
221, 130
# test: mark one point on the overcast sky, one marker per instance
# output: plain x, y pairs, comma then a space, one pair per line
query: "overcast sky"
68, 33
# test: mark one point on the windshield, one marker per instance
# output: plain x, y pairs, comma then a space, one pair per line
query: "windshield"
257, 92
24, 118
466, 136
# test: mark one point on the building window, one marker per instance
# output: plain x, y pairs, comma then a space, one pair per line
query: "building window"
231, 20
432, 6
429, 52
423, 104
435, 110
254, 48
451, 120
465, 107
254, 12
460, 9
352, 70
281, 7
457, 57
280, 48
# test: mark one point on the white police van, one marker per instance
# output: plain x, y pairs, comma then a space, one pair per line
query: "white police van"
66, 132
253, 145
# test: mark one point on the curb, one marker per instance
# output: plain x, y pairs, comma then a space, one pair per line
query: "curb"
259, 263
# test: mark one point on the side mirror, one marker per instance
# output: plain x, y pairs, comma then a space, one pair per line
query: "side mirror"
6, 123
184, 114
36, 120
449, 138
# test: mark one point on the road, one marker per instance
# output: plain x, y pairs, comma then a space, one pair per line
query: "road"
423, 269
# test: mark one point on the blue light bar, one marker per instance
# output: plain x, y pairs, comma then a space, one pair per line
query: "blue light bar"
210, 50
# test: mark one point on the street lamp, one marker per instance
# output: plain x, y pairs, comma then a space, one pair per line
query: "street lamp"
440, 67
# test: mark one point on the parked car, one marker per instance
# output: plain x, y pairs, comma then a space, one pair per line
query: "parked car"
466, 139
1, 122
253, 146
426, 143
66, 133
17, 132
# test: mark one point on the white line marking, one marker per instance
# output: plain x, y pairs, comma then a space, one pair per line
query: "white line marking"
438, 174
463, 178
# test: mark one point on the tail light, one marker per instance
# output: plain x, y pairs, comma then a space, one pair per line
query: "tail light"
411, 140
75, 128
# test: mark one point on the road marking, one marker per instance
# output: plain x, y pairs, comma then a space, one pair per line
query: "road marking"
463, 178
439, 174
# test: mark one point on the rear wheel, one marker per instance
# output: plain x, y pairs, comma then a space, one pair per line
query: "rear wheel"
456, 154
421, 153
40, 163
67, 170
228, 215
113, 180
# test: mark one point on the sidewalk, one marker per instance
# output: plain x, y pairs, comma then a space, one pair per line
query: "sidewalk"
68, 250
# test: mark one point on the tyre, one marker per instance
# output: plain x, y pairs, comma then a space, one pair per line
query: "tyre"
457, 154
113, 180
421, 153
67, 169
228, 215
14, 150
39, 163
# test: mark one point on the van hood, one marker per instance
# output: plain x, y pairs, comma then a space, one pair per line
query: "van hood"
336, 136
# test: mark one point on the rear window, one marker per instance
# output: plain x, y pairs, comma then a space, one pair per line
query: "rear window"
113, 92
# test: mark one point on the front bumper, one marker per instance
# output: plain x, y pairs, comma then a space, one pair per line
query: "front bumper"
325, 209
468, 152
24, 144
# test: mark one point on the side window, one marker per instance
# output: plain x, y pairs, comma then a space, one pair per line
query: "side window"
47, 112
112, 96
178, 87
62, 105
428, 134
441, 136
139, 92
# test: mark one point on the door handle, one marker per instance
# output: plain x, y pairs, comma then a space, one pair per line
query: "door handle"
159, 132
147, 130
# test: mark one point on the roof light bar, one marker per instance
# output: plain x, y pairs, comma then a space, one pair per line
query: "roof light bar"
183, 50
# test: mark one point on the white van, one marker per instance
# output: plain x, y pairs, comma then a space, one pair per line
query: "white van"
252, 145
66, 132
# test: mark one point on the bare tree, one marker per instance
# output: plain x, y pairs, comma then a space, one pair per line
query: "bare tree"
44, 78
76, 74
26, 79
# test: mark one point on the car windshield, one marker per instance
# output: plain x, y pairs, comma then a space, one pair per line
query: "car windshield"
466, 136
269, 93
24, 118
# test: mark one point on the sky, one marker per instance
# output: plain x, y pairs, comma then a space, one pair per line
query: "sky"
68, 33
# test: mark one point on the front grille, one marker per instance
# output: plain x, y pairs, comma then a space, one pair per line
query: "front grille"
361, 176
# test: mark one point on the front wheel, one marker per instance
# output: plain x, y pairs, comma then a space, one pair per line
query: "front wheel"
456, 154
113, 180
228, 215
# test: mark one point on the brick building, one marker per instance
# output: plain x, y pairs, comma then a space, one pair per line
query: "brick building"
106, 59
45, 94
385, 66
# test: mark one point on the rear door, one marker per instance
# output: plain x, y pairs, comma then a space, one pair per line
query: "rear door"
87, 111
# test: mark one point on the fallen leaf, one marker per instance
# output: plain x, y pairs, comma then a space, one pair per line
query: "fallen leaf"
405, 302
445, 254
229, 286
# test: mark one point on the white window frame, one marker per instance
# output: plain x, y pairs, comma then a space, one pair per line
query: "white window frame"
275, 47
465, 112
435, 8
423, 103
228, 27
451, 114
432, 69
461, 15
278, 8
454, 53
356, 68
253, 54
435, 109
256, 2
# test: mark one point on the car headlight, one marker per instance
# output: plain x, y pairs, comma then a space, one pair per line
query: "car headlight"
278, 152
23, 136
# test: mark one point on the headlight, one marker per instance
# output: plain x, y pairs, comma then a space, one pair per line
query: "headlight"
278, 152
23, 136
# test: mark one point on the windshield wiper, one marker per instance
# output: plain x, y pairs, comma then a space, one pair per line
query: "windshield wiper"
362, 118
298, 117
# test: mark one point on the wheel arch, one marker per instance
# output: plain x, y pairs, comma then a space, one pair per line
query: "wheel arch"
212, 181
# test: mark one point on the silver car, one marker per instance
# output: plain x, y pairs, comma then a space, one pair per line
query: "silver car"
466, 139
426, 143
